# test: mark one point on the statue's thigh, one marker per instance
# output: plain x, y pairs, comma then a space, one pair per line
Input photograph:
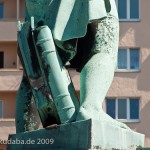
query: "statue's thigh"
106, 35
102, 37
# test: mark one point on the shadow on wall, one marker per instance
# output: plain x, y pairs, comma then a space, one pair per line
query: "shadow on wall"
143, 126
144, 77
130, 35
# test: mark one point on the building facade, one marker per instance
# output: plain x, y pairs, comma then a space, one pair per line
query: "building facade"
10, 74
128, 99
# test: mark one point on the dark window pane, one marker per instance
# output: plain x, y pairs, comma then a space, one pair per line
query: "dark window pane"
111, 107
122, 59
134, 58
134, 108
122, 9
122, 109
1, 10
0, 109
134, 9
1, 59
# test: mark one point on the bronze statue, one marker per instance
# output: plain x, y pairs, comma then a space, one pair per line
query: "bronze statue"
55, 32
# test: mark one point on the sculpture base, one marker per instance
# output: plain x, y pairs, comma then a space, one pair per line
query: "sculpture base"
82, 135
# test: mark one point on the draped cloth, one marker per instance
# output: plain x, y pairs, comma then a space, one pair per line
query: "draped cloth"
68, 19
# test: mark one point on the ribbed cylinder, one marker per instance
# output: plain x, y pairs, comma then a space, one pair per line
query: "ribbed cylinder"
53, 70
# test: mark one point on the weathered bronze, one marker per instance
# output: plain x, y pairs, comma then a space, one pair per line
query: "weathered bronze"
51, 36
84, 33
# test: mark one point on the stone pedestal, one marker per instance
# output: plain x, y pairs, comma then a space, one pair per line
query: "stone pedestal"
83, 135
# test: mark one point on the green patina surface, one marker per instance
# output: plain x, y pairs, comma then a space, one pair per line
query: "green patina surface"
41, 60
47, 81
82, 135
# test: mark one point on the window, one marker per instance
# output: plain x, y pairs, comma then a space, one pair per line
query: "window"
128, 10
1, 109
1, 59
124, 109
1, 10
129, 59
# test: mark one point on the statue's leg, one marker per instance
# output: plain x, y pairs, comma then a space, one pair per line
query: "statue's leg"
97, 74
27, 118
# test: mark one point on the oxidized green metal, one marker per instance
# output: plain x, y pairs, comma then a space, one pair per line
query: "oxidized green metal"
38, 76
82, 135
35, 83
57, 22
53, 25
52, 66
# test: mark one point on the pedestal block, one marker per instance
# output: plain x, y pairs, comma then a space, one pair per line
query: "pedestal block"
82, 135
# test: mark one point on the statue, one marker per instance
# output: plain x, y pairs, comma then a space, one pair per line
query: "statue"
84, 33
48, 39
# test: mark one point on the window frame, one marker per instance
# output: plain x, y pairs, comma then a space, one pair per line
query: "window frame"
128, 19
2, 109
127, 109
128, 61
